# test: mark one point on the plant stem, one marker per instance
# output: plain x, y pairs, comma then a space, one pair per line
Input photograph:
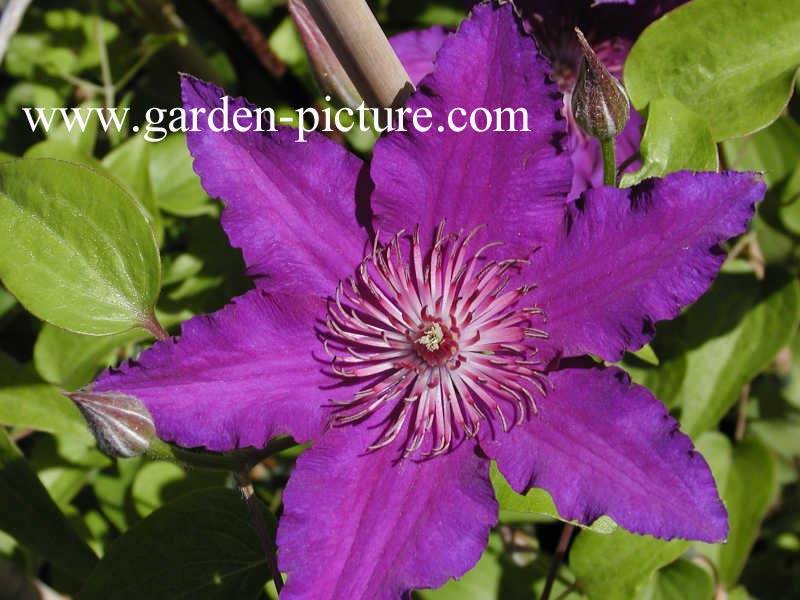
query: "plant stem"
234, 460
741, 414
561, 550
270, 554
570, 588
105, 66
609, 162
361, 46
130, 73
250, 36
151, 324
10, 19
20, 435
80, 82
160, 16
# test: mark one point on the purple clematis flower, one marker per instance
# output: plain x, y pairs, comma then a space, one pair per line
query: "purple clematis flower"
424, 314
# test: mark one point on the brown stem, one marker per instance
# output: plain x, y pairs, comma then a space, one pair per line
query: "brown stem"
359, 43
741, 415
109, 99
627, 163
21, 435
151, 324
270, 556
572, 587
561, 550
749, 249
160, 16
250, 35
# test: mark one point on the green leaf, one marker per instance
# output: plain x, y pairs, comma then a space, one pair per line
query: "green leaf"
7, 305
82, 138
665, 378
28, 402
257, 8
286, 44
791, 391
674, 138
64, 465
515, 570
732, 62
538, 501
176, 186
61, 150
681, 580
75, 249
482, 582
201, 546
616, 566
28, 51
776, 245
70, 360
745, 476
739, 593
157, 483
730, 335
780, 434
112, 488
647, 355
789, 209
774, 150
29, 514
128, 163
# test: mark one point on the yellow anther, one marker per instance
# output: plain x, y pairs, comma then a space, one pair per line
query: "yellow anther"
432, 338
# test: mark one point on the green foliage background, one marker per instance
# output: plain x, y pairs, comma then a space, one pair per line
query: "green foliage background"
716, 80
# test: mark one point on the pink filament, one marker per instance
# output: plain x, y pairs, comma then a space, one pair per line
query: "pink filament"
479, 364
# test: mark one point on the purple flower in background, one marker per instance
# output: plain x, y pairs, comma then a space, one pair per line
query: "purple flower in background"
423, 314
611, 27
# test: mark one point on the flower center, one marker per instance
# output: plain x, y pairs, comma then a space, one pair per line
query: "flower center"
434, 342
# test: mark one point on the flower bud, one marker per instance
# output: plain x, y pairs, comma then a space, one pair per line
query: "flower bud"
121, 424
599, 102
328, 71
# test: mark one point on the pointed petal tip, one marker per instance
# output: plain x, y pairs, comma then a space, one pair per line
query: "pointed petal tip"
416, 183
688, 214
269, 194
393, 518
234, 378
600, 445
194, 90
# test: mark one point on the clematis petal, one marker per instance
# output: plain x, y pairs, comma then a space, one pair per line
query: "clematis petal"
628, 258
296, 227
235, 378
600, 445
417, 50
368, 526
514, 182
